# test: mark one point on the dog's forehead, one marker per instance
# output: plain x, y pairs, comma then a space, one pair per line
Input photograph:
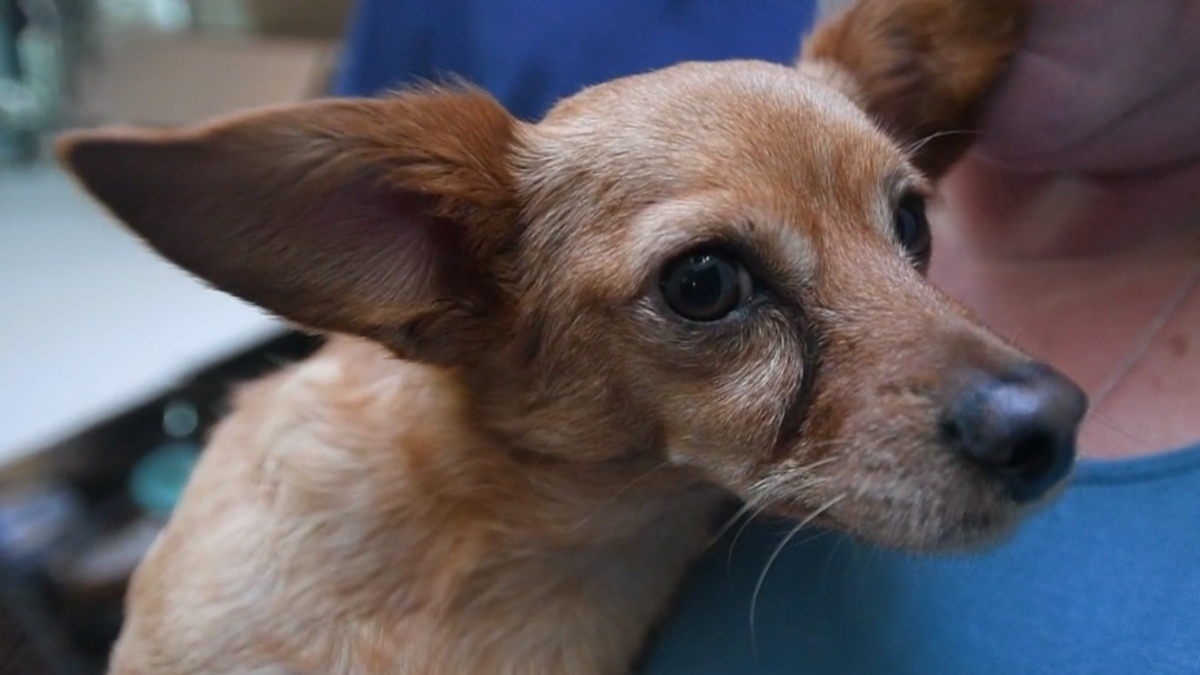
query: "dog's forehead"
733, 120
651, 159
699, 89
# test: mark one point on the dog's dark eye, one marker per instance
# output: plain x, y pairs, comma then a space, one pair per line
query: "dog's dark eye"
705, 285
911, 227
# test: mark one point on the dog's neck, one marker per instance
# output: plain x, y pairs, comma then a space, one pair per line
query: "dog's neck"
444, 507
384, 503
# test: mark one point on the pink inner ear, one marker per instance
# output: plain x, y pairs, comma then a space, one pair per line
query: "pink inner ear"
403, 254
365, 250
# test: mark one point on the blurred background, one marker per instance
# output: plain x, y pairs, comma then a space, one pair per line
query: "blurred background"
113, 364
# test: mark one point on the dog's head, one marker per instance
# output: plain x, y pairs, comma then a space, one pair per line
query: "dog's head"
718, 265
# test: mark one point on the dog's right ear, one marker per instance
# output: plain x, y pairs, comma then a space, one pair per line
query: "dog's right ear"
378, 217
920, 68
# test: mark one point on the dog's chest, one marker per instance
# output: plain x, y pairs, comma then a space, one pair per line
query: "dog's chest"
584, 613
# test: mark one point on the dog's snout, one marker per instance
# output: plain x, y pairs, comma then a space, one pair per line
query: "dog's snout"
1020, 425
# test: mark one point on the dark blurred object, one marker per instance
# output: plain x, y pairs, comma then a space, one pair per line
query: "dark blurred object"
76, 517
31, 642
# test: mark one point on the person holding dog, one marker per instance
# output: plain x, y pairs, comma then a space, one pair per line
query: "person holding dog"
1073, 227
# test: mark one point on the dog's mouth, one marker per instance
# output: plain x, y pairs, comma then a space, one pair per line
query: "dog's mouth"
954, 475
914, 518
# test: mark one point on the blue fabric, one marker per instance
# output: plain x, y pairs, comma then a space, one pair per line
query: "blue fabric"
530, 53
1104, 582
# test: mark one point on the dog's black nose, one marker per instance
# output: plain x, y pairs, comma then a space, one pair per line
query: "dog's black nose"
1020, 425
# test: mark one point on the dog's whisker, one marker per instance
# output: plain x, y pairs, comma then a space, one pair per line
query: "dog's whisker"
773, 482
828, 444
824, 461
758, 503
758, 511
600, 507
729, 523
915, 146
771, 561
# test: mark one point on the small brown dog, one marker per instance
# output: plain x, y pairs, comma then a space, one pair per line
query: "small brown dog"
559, 345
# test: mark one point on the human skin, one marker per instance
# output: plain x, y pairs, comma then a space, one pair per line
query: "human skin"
1075, 223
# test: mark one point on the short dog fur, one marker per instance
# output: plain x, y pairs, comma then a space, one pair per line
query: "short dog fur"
512, 444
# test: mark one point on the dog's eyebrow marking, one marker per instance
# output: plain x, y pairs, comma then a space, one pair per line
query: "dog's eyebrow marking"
903, 179
671, 227
793, 253
894, 184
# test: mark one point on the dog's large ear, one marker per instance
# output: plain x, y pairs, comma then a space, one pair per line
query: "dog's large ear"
921, 68
379, 218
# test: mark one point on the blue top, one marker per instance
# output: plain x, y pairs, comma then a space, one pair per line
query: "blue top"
530, 53
1106, 581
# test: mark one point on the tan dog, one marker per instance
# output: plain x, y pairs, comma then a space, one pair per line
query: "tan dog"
559, 345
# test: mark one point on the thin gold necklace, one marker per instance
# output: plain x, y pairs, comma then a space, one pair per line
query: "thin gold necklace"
1147, 338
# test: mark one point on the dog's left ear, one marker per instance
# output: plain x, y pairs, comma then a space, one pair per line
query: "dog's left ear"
380, 218
920, 68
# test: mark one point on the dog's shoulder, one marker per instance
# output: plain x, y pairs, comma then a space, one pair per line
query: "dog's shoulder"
293, 506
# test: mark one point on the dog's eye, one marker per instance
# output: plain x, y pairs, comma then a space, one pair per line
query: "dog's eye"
911, 227
706, 285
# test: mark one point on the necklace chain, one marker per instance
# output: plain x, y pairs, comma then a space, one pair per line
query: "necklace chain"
1147, 338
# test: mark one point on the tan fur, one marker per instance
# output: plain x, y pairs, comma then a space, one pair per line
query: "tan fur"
922, 67
507, 454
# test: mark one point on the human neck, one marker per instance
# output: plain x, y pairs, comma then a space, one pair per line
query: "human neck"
1083, 303
1031, 216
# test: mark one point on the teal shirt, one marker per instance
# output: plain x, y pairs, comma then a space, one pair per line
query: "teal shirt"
1106, 581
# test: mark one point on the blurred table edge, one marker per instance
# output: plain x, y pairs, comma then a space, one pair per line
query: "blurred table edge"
94, 322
